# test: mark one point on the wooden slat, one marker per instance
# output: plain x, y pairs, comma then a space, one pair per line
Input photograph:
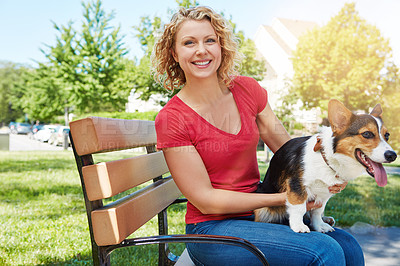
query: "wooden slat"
99, 134
113, 224
104, 180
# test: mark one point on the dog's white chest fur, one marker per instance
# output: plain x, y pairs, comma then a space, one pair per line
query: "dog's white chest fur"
318, 175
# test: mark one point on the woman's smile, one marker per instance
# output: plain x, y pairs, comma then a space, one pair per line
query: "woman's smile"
203, 63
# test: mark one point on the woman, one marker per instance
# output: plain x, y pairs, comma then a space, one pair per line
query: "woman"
209, 133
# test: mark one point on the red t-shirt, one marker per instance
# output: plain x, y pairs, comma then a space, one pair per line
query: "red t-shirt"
230, 159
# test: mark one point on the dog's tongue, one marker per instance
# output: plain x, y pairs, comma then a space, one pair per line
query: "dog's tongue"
379, 173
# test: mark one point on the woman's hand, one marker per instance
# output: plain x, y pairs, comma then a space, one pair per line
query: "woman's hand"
311, 205
337, 188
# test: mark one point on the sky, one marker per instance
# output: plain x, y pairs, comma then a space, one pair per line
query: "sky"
27, 25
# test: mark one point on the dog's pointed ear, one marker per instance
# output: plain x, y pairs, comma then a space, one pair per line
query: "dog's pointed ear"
377, 111
339, 116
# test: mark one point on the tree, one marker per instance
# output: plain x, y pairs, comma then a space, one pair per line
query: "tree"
10, 77
250, 66
146, 32
346, 59
187, 3
391, 105
42, 93
143, 78
100, 63
46, 88
85, 70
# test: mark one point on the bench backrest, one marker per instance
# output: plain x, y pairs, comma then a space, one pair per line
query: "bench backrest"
112, 223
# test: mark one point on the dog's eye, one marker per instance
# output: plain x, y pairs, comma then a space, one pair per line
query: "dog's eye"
387, 135
368, 135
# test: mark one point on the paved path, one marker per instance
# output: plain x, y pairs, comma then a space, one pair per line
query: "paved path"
381, 246
24, 143
392, 170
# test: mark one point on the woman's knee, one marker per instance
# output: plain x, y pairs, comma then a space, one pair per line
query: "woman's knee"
330, 253
352, 249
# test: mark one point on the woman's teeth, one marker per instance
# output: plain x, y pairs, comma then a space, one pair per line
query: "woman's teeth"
202, 63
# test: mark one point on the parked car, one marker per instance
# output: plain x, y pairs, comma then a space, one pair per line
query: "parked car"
44, 134
20, 128
35, 129
57, 137
11, 126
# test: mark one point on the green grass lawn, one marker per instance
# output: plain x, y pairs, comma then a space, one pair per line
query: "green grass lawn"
43, 219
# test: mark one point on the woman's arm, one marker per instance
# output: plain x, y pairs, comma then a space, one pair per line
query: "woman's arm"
191, 177
272, 132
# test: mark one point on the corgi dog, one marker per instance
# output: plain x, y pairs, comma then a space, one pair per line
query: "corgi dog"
306, 167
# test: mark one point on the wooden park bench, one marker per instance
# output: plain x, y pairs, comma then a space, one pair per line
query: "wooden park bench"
111, 224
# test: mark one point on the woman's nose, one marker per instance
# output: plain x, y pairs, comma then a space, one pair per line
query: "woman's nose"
201, 49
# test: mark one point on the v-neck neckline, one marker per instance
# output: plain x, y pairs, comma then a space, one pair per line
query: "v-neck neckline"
213, 126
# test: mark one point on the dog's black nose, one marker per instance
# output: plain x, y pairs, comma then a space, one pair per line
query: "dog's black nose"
390, 156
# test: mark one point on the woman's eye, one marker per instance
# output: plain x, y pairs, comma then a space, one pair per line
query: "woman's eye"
368, 135
211, 40
188, 42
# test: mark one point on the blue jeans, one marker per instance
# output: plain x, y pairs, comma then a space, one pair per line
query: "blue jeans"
278, 242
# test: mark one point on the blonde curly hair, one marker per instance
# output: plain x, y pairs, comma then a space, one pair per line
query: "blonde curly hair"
167, 71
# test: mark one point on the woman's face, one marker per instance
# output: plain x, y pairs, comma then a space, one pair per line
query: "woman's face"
197, 49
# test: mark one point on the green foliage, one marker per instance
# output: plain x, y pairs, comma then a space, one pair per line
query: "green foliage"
346, 59
143, 81
349, 60
149, 115
391, 106
10, 78
187, 3
45, 90
250, 66
85, 70
42, 98
285, 112
101, 62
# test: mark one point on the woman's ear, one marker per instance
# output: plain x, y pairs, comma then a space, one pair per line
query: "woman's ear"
174, 55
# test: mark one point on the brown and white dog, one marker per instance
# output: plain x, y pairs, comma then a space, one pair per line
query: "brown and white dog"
305, 167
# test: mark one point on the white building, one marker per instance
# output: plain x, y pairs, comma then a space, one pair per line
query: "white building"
275, 44
134, 104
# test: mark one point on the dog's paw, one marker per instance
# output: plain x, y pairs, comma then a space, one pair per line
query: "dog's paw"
300, 228
329, 220
323, 228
